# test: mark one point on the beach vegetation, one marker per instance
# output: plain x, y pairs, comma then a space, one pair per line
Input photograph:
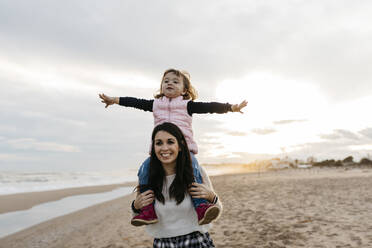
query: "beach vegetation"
365, 161
348, 159
338, 163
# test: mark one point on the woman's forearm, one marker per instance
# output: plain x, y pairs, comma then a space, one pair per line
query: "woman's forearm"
207, 182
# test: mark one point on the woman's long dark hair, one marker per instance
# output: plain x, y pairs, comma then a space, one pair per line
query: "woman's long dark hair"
184, 172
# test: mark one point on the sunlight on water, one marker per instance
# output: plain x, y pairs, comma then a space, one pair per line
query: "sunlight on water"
17, 221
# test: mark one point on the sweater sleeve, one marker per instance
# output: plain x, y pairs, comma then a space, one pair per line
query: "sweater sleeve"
208, 107
208, 183
145, 105
132, 208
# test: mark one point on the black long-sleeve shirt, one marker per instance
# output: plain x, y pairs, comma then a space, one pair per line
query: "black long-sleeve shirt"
192, 107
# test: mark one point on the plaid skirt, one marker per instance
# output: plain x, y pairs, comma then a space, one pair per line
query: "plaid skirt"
191, 240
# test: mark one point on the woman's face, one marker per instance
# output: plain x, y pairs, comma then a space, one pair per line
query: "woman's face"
172, 85
166, 148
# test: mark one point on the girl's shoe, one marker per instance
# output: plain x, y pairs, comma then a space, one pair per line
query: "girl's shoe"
145, 217
207, 212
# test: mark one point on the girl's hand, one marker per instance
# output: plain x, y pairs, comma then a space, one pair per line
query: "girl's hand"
239, 107
144, 199
108, 100
198, 190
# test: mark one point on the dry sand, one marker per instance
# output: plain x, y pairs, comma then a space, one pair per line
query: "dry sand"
294, 208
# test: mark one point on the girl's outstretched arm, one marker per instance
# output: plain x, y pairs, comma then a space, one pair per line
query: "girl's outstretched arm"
214, 107
142, 104
239, 107
108, 100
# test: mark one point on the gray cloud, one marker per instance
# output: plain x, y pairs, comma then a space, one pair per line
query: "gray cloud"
263, 131
367, 132
340, 134
32, 144
39, 126
338, 145
283, 122
332, 136
305, 40
237, 133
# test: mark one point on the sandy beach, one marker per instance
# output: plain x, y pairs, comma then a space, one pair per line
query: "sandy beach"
291, 208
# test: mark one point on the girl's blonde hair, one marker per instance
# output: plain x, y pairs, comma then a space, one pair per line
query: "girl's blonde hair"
190, 90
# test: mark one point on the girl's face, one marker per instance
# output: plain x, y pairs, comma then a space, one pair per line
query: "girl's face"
172, 85
166, 148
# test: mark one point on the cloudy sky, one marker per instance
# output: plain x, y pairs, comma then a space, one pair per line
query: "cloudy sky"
305, 68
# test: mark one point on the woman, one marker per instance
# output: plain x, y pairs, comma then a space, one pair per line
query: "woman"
172, 183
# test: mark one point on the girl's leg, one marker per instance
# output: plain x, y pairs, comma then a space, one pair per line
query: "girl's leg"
206, 211
198, 178
143, 175
147, 214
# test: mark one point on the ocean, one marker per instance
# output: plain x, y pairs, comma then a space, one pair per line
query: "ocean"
22, 182
13, 182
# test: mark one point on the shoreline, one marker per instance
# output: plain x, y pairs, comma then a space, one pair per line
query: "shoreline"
24, 201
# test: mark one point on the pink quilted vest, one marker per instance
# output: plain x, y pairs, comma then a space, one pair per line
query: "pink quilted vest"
175, 111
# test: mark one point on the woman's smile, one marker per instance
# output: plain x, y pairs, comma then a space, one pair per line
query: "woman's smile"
165, 155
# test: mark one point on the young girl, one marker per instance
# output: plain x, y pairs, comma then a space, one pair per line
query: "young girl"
175, 104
